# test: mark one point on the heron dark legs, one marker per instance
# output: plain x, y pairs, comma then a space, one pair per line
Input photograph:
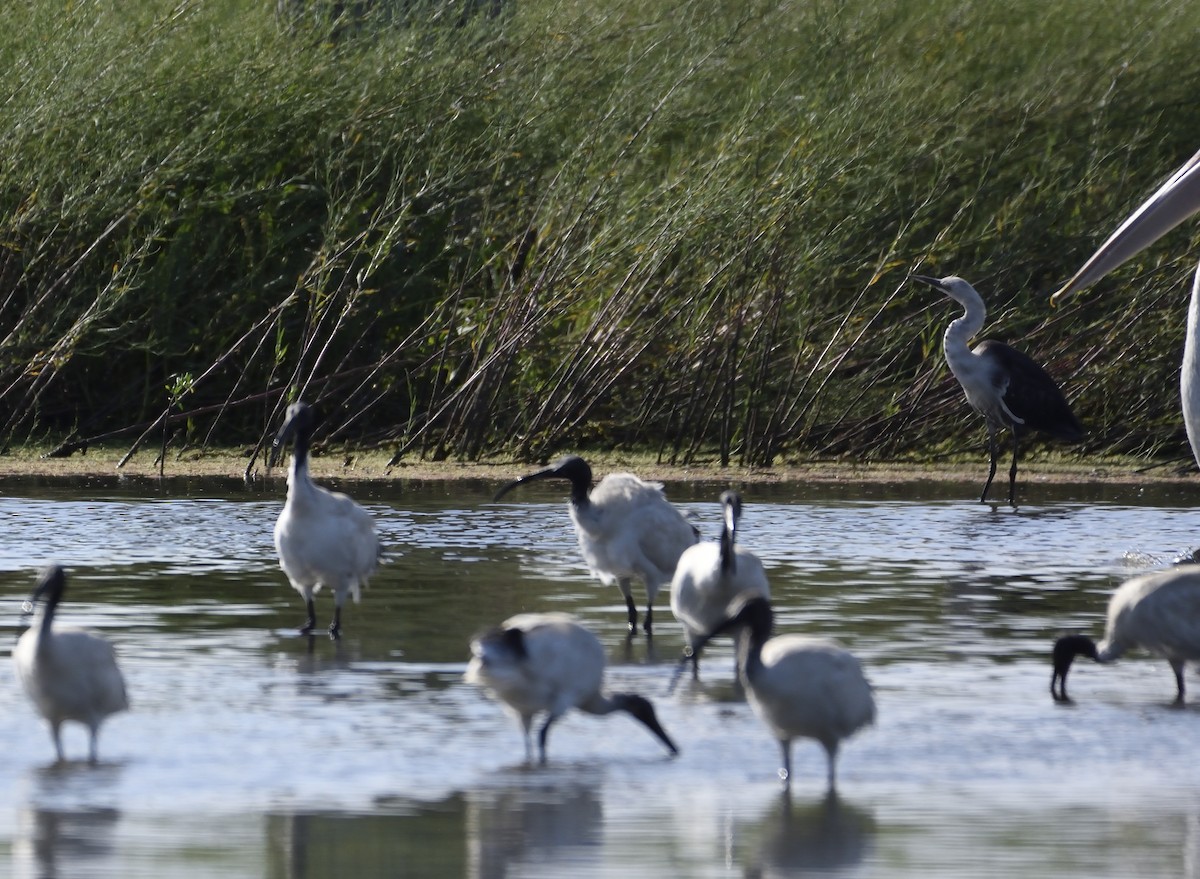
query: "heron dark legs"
311, 622
993, 453
335, 628
1012, 473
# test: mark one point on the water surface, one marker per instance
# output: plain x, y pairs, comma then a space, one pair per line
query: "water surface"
252, 751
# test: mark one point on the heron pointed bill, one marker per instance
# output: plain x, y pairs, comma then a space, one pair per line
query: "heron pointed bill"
1170, 205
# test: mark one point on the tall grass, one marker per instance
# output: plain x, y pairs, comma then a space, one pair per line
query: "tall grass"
683, 226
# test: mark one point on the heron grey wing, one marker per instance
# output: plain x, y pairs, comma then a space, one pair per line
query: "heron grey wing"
1031, 394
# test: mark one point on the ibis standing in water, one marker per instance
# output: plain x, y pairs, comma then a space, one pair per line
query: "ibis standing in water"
1006, 387
1170, 205
548, 663
323, 537
626, 528
709, 577
1158, 612
800, 687
68, 673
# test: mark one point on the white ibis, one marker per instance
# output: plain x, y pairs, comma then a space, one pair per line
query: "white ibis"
626, 527
68, 673
1006, 387
710, 576
323, 537
548, 662
1170, 205
1158, 612
800, 687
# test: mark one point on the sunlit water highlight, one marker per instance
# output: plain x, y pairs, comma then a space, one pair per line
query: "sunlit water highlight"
251, 751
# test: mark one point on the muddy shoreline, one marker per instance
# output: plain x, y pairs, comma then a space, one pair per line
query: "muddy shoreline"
372, 465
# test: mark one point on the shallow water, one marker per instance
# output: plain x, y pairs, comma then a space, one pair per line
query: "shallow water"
252, 751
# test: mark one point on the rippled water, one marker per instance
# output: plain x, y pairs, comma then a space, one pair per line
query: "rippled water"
251, 751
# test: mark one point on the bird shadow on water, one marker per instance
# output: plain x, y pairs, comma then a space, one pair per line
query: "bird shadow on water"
793, 839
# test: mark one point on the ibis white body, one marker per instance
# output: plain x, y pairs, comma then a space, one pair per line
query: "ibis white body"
809, 688
800, 687
1157, 612
323, 538
68, 673
626, 527
710, 576
548, 663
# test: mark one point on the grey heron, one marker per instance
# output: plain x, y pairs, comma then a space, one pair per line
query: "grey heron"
1009, 389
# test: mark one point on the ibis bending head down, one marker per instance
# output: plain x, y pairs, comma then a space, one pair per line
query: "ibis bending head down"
710, 576
1170, 205
1158, 612
69, 674
626, 528
323, 537
1006, 387
548, 663
800, 687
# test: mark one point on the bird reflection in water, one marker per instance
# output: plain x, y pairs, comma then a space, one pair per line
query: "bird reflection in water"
73, 839
798, 840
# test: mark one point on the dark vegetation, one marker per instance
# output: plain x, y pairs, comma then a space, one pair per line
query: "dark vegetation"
676, 226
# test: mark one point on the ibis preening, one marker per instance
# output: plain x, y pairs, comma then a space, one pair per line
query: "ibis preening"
710, 576
68, 673
626, 527
323, 537
1170, 205
1158, 612
1006, 387
548, 662
800, 687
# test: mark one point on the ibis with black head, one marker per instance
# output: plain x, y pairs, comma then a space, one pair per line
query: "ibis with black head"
549, 663
323, 538
68, 673
626, 528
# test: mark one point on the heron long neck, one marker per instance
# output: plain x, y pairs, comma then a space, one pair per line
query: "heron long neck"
1189, 372
956, 343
